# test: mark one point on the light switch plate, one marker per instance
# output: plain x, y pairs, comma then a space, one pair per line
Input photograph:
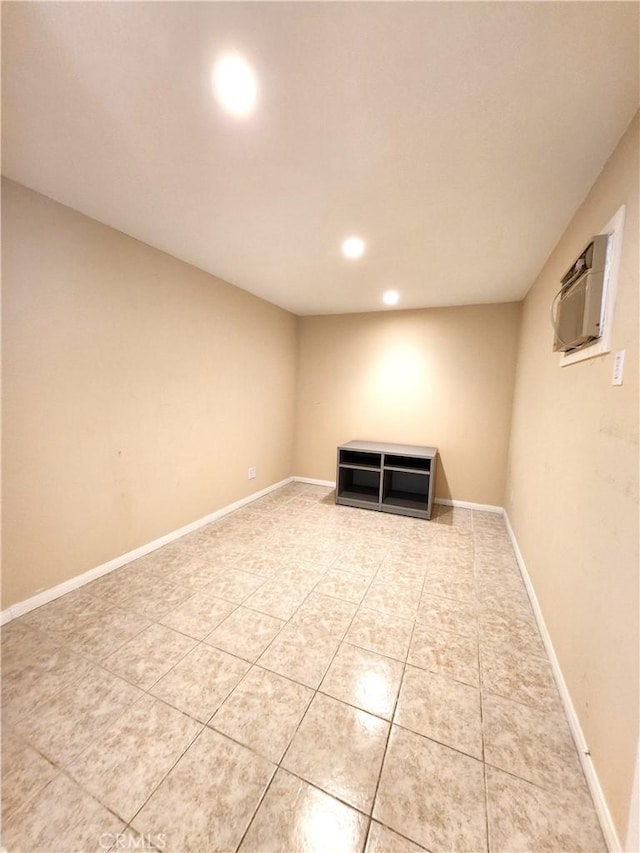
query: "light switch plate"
618, 367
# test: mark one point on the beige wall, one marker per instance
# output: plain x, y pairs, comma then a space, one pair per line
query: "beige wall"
441, 376
572, 494
137, 392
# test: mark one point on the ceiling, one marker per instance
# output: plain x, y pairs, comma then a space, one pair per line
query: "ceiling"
457, 139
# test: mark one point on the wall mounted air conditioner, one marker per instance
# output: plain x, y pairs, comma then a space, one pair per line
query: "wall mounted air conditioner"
578, 319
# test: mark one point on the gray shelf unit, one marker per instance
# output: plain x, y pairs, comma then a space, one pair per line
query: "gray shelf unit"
398, 478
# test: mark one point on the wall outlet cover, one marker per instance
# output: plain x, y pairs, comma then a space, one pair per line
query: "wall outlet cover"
252, 473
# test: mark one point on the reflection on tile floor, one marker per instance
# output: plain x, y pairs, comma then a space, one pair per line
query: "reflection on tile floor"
296, 676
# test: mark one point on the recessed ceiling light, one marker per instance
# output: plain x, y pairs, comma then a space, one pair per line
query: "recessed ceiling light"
390, 297
235, 85
353, 247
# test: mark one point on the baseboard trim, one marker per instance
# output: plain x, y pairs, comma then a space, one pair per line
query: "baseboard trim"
602, 809
469, 505
311, 481
63, 588
633, 829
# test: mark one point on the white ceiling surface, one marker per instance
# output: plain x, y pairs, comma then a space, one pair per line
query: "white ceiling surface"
456, 138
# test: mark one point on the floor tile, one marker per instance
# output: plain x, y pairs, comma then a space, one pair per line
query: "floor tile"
20, 642
300, 654
65, 726
201, 681
513, 604
460, 519
339, 749
261, 564
344, 585
106, 633
208, 799
442, 709
364, 564
24, 773
524, 818
128, 761
518, 676
323, 614
396, 599
199, 615
234, 585
393, 569
449, 654
276, 600
319, 553
176, 566
432, 794
498, 595
245, 633
383, 840
149, 656
116, 588
364, 679
410, 551
62, 817
65, 614
296, 816
157, 598
263, 712
34, 675
380, 632
299, 574
448, 584
528, 742
448, 614
511, 633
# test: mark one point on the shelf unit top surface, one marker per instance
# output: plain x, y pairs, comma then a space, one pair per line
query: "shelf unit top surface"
392, 449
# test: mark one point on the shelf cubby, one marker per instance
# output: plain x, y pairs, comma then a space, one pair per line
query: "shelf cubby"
408, 463
405, 492
359, 484
360, 460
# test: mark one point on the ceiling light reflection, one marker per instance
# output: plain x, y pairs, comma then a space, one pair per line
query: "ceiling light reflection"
325, 826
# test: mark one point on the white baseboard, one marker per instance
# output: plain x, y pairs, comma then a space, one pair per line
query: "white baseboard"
311, 481
54, 592
469, 505
602, 809
633, 829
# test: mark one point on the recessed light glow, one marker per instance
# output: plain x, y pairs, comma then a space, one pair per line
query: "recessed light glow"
353, 247
390, 297
235, 85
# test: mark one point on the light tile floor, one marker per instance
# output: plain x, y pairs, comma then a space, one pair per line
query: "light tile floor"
296, 676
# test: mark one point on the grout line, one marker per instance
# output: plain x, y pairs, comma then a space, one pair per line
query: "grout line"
297, 728
258, 805
395, 706
480, 700
179, 758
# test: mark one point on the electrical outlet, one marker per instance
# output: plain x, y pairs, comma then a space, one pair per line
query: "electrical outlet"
252, 473
618, 367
